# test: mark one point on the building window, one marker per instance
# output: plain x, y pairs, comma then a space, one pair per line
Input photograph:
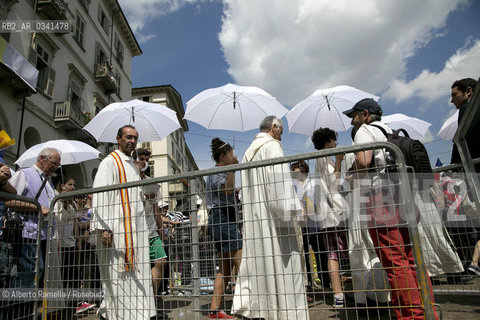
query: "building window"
118, 50
146, 99
75, 95
79, 30
103, 19
177, 158
117, 79
151, 167
98, 107
46, 75
100, 57
31, 137
85, 4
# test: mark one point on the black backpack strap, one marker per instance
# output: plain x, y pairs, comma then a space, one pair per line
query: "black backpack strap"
395, 133
405, 133
381, 129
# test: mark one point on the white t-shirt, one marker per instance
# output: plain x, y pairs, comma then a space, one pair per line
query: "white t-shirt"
328, 200
367, 134
149, 190
66, 224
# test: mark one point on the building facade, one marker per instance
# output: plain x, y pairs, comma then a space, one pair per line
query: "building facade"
171, 155
80, 71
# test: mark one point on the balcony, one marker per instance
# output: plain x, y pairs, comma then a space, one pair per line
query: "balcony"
54, 9
9, 78
16, 72
104, 77
70, 115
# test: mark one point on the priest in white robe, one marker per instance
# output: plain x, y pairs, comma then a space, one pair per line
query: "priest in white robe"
270, 283
121, 231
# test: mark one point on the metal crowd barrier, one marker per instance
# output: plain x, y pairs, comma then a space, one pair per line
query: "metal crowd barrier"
21, 270
286, 289
456, 203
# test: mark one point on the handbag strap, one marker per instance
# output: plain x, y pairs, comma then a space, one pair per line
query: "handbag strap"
44, 182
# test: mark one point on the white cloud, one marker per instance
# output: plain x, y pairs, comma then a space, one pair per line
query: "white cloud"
429, 137
140, 12
291, 48
431, 86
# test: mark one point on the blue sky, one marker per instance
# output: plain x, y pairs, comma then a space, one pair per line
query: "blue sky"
407, 52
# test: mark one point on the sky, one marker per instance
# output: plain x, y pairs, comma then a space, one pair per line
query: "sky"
407, 52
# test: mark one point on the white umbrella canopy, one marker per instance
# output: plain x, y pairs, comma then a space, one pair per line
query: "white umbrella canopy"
324, 109
153, 121
232, 107
415, 127
72, 152
449, 127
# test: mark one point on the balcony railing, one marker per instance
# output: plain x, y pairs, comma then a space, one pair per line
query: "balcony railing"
70, 113
105, 77
54, 9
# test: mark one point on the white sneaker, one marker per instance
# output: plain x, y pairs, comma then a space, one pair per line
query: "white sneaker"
338, 302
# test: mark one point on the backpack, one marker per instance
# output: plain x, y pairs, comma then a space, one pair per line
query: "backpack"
414, 152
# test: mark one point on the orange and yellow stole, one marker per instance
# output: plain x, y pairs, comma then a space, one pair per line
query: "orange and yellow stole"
127, 215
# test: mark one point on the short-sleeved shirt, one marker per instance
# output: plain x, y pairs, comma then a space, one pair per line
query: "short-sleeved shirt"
66, 223
150, 190
369, 133
215, 195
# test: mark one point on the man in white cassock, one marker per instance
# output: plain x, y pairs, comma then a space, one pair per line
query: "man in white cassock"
122, 236
270, 283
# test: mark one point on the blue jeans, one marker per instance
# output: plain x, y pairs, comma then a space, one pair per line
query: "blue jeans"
6, 262
25, 278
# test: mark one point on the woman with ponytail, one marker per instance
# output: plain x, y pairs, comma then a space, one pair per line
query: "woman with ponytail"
222, 224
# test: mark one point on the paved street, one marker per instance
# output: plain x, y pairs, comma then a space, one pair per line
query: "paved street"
452, 307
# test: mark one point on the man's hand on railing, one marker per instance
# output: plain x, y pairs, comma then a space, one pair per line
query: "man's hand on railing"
45, 211
107, 239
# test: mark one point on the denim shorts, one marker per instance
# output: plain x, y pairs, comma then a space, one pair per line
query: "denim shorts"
224, 229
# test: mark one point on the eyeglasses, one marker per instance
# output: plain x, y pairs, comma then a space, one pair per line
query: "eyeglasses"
54, 163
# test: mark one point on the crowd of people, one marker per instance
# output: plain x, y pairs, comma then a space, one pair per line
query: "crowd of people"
118, 237
84, 232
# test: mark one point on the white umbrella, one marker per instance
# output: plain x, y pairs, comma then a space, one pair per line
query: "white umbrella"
449, 127
233, 107
324, 109
415, 127
72, 152
153, 121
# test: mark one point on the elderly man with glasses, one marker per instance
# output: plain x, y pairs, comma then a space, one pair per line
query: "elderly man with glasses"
35, 183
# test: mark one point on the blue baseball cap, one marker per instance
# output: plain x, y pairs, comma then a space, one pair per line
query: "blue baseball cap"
365, 104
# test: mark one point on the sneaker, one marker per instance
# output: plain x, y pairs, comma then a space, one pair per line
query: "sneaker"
338, 302
84, 306
474, 269
219, 315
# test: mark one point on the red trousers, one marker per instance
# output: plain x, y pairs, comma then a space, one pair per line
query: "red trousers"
393, 247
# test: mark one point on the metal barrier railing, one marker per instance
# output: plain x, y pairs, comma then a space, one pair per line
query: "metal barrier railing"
456, 202
191, 254
20, 267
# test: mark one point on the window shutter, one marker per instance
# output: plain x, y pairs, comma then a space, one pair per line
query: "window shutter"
49, 90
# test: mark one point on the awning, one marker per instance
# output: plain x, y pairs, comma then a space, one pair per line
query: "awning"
17, 63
